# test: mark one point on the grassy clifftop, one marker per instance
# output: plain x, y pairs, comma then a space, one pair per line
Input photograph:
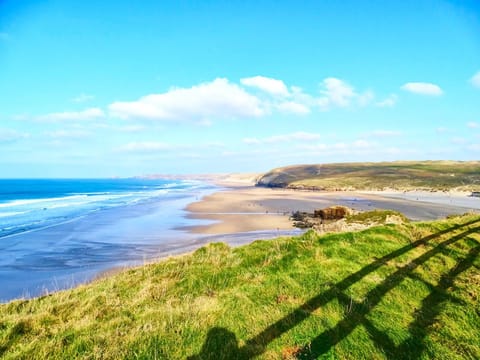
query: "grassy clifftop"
393, 291
401, 175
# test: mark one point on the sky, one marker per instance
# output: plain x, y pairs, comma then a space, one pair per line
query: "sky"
126, 88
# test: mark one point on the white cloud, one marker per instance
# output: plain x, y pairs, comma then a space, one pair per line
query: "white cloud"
366, 98
21, 117
300, 97
299, 135
67, 134
205, 123
340, 146
474, 147
269, 85
296, 89
131, 128
206, 102
362, 144
252, 141
315, 147
394, 150
144, 146
10, 135
214, 144
162, 148
475, 80
458, 140
83, 98
442, 130
473, 125
88, 114
352, 148
293, 107
422, 88
216, 99
249, 154
296, 136
384, 133
390, 101
338, 93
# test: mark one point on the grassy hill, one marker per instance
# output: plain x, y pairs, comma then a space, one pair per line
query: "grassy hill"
395, 291
400, 175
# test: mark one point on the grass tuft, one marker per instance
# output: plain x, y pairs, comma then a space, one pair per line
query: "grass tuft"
377, 217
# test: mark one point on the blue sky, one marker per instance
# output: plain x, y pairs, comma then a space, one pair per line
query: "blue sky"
122, 88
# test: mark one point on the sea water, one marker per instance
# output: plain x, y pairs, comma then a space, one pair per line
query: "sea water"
31, 204
57, 233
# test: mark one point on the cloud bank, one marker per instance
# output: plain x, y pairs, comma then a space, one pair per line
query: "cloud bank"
216, 99
221, 99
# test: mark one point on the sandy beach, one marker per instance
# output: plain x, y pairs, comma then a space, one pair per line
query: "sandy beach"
242, 207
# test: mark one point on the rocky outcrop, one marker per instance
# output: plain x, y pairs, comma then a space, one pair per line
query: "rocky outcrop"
321, 216
332, 213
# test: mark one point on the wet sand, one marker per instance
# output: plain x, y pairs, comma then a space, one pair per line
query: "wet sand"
69, 253
73, 252
241, 207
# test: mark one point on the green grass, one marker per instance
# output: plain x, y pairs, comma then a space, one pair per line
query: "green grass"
376, 217
400, 175
394, 291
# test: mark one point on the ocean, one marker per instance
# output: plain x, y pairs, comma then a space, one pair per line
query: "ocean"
55, 234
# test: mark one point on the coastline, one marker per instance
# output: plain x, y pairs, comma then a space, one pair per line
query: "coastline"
69, 253
233, 211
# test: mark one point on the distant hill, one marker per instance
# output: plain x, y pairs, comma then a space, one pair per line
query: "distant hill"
220, 178
398, 175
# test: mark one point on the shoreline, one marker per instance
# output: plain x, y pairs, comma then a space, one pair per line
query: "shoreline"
74, 252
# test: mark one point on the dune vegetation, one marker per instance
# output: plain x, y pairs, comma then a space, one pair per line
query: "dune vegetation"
398, 175
402, 291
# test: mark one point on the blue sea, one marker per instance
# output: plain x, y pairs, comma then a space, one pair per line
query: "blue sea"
31, 204
57, 233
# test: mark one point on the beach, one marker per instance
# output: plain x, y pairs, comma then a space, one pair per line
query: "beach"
241, 207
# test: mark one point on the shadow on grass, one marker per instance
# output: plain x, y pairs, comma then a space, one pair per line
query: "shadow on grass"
220, 344
411, 348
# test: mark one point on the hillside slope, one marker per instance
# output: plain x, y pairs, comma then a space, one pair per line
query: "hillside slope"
396, 291
401, 175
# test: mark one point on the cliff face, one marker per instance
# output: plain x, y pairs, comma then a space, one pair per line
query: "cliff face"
282, 177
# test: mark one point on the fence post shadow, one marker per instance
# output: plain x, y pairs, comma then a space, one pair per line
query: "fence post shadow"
329, 338
414, 345
220, 343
